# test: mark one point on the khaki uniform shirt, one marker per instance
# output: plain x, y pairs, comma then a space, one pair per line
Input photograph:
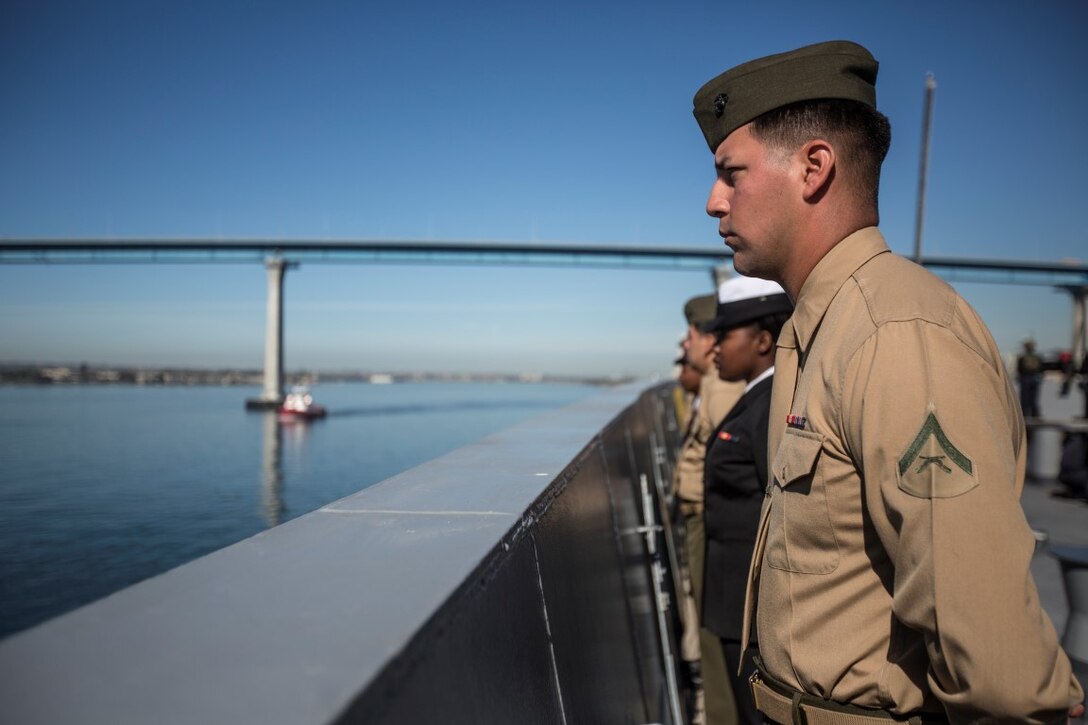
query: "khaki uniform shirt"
716, 398
893, 553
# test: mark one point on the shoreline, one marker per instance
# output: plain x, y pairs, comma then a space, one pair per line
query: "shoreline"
94, 375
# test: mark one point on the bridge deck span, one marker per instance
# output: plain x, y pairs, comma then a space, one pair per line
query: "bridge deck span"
318, 251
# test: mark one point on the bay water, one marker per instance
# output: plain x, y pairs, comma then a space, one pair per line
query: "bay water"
104, 486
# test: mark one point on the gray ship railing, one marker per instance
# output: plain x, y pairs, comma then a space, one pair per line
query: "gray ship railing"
513, 580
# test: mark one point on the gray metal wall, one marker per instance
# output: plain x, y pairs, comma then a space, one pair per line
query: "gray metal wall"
508, 581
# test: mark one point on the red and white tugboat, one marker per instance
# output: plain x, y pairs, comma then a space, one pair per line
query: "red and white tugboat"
299, 405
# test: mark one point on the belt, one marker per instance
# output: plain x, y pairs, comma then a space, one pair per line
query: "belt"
784, 705
691, 508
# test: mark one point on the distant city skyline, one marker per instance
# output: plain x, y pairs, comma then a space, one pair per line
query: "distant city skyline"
514, 122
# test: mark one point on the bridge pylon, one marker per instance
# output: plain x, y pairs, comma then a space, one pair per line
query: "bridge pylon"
272, 391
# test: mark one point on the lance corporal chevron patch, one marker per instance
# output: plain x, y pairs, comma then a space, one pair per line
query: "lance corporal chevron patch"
932, 467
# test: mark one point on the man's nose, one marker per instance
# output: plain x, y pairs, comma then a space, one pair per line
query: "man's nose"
717, 204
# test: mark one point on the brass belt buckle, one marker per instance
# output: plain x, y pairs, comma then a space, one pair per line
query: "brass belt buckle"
794, 716
753, 680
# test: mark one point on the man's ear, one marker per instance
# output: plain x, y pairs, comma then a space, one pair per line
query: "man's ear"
818, 161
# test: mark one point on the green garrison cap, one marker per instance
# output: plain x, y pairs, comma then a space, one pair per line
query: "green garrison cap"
700, 310
835, 69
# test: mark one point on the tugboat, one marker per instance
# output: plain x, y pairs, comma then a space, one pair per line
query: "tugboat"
299, 405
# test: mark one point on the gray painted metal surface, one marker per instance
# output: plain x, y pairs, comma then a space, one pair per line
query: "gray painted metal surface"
502, 582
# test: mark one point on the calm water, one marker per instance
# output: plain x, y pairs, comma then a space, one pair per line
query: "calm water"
101, 487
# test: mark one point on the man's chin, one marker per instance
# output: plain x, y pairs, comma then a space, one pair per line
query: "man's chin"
748, 267
742, 264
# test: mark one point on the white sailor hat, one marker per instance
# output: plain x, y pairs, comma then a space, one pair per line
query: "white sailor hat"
742, 300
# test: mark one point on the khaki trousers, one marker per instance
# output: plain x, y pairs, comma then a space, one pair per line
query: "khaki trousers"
721, 707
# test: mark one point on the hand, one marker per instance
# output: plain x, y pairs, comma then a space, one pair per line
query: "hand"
1076, 711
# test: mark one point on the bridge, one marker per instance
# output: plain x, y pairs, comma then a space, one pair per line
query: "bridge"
279, 255
324, 251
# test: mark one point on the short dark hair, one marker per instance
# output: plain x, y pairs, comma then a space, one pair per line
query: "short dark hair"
773, 323
861, 133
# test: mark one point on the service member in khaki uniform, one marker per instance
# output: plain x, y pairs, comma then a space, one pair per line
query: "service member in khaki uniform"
890, 576
716, 398
686, 397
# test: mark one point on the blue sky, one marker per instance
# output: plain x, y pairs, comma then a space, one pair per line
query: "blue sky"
564, 122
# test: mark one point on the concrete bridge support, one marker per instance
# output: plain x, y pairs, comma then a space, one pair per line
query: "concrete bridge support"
273, 340
272, 392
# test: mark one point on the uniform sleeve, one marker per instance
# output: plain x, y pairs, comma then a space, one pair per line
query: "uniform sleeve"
688, 479
719, 397
689, 467
934, 429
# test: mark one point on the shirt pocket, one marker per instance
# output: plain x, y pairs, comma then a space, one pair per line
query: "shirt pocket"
800, 537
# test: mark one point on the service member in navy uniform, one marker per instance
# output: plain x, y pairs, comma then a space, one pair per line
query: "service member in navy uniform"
750, 314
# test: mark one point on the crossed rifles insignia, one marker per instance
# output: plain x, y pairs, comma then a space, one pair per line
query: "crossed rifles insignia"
933, 460
933, 467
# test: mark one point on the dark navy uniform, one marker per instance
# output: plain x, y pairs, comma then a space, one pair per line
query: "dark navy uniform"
735, 480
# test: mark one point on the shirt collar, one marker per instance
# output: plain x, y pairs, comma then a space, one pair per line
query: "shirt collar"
759, 379
828, 277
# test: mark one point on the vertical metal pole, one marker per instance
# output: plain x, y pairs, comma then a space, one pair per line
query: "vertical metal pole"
931, 86
661, 600
1079, 345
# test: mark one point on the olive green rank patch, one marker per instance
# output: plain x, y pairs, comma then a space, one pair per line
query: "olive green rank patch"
933, 467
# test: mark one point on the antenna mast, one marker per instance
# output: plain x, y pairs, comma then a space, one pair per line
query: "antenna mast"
931, 86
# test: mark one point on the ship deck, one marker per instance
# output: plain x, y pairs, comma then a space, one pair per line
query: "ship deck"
1063, 521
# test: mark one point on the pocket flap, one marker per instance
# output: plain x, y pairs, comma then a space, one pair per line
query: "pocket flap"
796, 455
